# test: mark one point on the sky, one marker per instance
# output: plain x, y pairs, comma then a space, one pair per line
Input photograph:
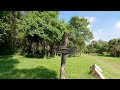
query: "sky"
105, 25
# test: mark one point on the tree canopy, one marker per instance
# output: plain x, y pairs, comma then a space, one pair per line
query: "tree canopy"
114, 47
79, 33
41, 27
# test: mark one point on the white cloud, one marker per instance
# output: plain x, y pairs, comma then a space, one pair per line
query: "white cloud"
106, 34
100, 30
91, 20
117, 25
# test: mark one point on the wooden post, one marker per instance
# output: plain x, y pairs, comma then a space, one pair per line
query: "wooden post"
63, 57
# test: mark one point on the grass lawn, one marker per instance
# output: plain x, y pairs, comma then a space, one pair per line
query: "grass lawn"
19, 67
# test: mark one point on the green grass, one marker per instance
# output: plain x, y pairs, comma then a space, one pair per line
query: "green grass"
19, 67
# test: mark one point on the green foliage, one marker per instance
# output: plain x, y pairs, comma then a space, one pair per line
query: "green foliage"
114, 47
4, 26
79, 32
42, 28
79, 29
43, 24
102, 46
99, 46
36, 32
90, 49
8, 30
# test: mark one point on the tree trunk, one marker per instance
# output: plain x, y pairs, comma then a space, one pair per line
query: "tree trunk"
63, 65
51, 51
44, 52
63, 57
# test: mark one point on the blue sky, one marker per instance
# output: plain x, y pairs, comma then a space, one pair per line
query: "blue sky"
105, 25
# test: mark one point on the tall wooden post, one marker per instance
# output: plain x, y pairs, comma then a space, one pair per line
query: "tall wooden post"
63, 57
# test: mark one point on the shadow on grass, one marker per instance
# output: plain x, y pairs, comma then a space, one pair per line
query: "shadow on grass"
8, 70
37, 57
6, 62
31, 56
104, 55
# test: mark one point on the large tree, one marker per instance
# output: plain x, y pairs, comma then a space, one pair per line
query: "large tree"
79, 32
41, 28
114, 47
8, 29
4, 28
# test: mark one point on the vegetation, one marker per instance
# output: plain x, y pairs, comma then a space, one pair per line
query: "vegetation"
8, 31
112, 47
41, 31
99, 46
36, 33
79, 32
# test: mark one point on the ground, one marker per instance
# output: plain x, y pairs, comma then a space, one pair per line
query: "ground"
20, 67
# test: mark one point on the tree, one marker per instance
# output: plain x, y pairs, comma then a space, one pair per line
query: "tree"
79, 32
13, 17
99, 46
90, 48
43, 26
102, 46
4, 28
8, 29
114, 47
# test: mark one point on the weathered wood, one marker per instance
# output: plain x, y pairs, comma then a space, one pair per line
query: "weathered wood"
97, 74
63, 47
63, 51
63, 57
97, 71
98, 67
63, 65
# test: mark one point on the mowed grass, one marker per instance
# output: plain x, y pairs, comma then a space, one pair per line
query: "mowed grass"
20, 67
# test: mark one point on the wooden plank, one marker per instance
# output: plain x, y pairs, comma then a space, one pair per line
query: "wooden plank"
97, 71
63, 48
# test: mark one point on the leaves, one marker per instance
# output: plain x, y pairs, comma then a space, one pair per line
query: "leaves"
99, 46
78, 32
114, 47
45, 24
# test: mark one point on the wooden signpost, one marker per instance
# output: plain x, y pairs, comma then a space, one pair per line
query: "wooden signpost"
63, 57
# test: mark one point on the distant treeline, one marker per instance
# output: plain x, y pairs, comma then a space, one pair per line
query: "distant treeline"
102, 47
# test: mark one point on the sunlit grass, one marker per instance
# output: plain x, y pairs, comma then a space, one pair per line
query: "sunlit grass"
19, 67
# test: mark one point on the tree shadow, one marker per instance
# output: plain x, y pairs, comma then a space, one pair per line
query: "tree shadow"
31, 55
8, 70
104, 55
7, 52
7, 62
